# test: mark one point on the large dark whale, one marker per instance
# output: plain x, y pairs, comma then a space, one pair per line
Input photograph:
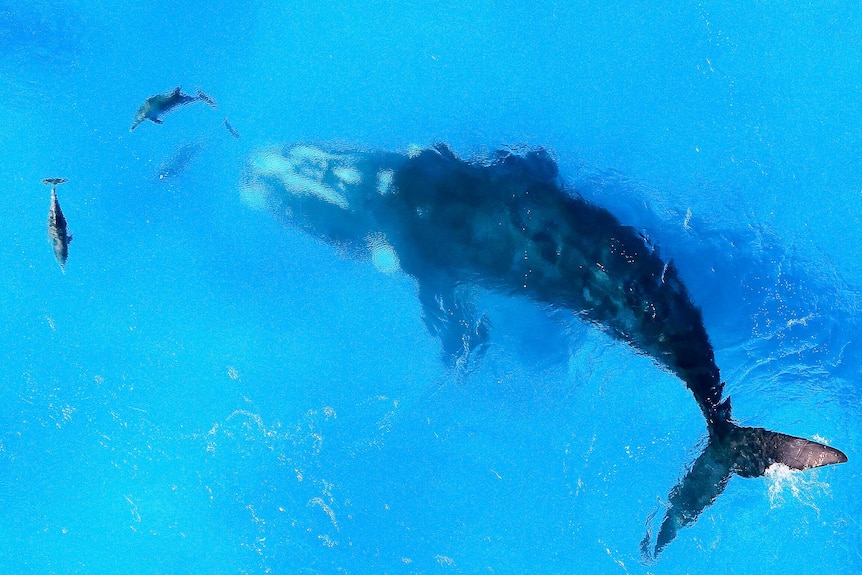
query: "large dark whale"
158, 105
57, 230
508, 224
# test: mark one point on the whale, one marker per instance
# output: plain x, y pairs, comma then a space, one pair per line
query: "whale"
57, 230
158, 105
509, 223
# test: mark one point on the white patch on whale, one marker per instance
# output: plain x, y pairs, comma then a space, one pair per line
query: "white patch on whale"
383, 255
384, 181
311, 154
347, 174
254, 195
302, 171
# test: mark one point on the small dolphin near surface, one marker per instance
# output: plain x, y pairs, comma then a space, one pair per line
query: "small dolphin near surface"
509, 224
57, 231
157, 106
231, 130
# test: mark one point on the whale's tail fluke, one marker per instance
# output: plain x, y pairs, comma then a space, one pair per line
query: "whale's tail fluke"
744, 451
54, 182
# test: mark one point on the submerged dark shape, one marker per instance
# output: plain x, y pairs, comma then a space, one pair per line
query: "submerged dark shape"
57, 224
508, 224
157, 106
231, 130
179, 161
40, 34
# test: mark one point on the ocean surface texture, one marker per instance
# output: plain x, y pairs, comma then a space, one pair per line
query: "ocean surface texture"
205, 390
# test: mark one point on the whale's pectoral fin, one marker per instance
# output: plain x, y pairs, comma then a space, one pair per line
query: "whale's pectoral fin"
451, 317
744, 451
156, 121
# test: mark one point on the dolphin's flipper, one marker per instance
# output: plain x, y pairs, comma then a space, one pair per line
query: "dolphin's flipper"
206, 98
156, 121
744, 451
451, 317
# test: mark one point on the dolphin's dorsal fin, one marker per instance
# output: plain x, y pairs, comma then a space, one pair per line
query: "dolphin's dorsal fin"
205, 97
177, 91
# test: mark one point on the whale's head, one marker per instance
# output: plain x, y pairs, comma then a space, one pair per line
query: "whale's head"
333, 196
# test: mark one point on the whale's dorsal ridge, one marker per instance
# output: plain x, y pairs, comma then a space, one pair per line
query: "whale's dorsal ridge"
444, 150
535, 164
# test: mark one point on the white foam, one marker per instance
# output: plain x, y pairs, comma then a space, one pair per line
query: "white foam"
781, 480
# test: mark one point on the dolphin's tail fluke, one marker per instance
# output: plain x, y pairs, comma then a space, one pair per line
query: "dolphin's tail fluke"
744, 451
206, 98
54, 182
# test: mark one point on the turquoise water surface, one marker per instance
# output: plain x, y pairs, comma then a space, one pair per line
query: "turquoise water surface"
205, 390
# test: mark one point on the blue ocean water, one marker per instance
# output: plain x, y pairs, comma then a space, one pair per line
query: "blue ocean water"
207, 391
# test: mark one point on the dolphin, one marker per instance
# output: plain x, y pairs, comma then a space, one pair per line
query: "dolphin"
231, 130
507, 223
158, 105
57, 231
